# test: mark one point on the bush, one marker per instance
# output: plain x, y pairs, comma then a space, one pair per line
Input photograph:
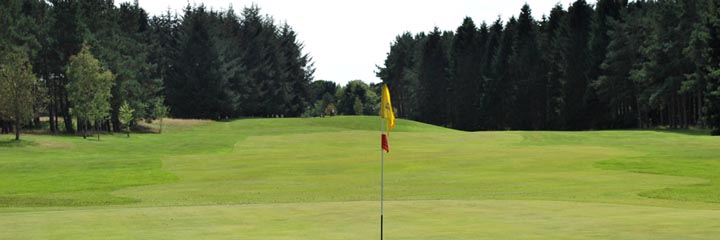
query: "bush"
715, 132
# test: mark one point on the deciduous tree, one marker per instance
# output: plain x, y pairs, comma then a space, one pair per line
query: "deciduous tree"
89, 89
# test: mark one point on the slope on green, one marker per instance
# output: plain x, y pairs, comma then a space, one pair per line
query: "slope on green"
318, 178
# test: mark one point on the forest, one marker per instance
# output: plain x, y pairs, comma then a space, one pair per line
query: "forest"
201, 63
612, 65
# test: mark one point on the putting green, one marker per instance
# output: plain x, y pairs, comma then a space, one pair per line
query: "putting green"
319, 179
483, 219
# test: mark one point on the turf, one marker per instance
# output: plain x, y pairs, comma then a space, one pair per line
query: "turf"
318, 178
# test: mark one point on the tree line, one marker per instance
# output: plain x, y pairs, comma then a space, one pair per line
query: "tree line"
615, 64
355, 98
202, 63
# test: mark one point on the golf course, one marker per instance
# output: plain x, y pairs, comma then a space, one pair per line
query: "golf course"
319, 178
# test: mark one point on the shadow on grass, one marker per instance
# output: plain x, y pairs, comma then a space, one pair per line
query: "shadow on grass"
691, 132
55, 201
13, 143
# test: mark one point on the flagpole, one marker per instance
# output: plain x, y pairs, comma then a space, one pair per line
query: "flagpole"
382, 180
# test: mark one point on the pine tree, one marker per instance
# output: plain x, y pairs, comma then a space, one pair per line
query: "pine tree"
66, 28
574, 36
615, 87
128, 56
499, 87
704, 50
465, 85
225, 28
433, 81
526, 86
197, 73
487, 104
665, 65
606, 11
399, 73
551, 47
164, 49
295, 83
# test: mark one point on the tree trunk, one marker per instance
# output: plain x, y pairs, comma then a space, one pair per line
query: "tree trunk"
66, 114
84, 128
57, 127
115, 121
684, 111
51, 116
639, 113
17, 130
161, 125
37, 123
673, 112
700, 119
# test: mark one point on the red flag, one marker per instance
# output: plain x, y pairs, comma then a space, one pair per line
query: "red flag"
385, 143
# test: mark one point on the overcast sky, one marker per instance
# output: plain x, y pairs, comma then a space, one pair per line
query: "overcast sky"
347, 39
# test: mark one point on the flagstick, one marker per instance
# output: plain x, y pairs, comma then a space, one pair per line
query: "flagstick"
382, 180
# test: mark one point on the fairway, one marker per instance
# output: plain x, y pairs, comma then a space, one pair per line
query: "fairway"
318, 178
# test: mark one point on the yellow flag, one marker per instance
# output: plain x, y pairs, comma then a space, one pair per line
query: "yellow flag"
386, 110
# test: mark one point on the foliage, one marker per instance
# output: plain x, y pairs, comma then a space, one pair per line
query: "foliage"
160, 111
466, 81
126, 117
433, 80
614, 64
234, 65
19, 90
203, 64
357, 98
89, 89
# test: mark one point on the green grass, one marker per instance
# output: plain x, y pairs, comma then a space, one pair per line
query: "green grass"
319, 179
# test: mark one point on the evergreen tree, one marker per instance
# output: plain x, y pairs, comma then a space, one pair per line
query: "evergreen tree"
197, 75
550, 45
256, 59
399, 73
527, 87
433, 81
296, 84
164, 49
465, 85
574, 36
615, 87
487, 103
500, 88
606, 11
665, 66
66, 28
704, 50
230, 54
130, 61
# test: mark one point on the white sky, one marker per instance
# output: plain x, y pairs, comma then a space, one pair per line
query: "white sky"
348, 38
